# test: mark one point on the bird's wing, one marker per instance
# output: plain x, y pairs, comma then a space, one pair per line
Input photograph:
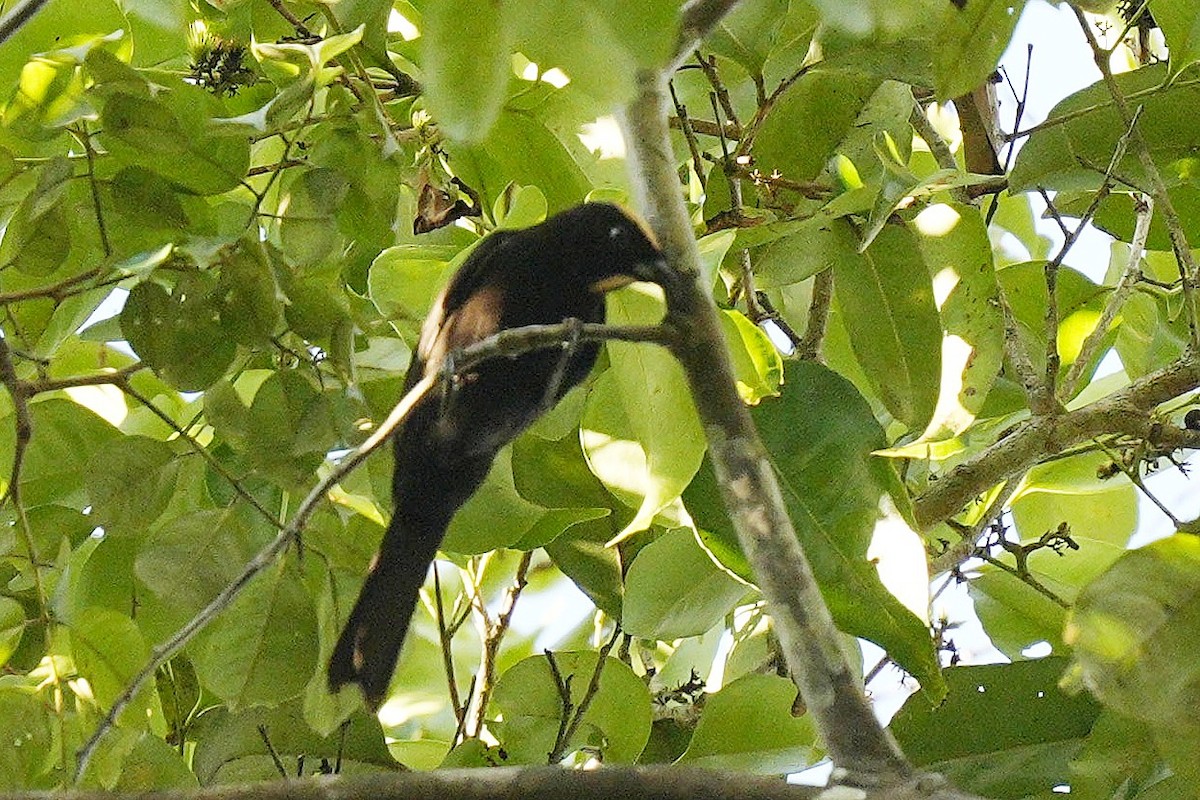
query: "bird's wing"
467, 310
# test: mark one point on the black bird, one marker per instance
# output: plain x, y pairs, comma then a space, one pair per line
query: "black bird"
545, 274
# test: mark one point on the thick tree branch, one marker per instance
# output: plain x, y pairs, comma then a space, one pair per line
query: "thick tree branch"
1123, 412
864, 753
505, 344
528, 783
697, 19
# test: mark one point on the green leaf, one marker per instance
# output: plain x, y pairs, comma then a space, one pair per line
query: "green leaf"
262, 650
598, 45
757, 365
193, 557
307, 231
673, 589
187, 151
1073, 155
12, 627
889, 310
58, 24
1118, 751
1134, 630
109, 650
806, 124
230, 747
31, 726
817, 244
1080, 303
1180, 23
749, 726
1015, 615
821, 426
955, 247
525, 207
862, 18
531, 154
747, 33
466, 61
55, 466
1149, 336
970, 41
291, 428
130, 483
1004, 730
179, 335
617, 721
37, 237
404, 280
582, 555
154, 765
640, 430
495, 516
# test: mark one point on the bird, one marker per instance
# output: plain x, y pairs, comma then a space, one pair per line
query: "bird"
549, 273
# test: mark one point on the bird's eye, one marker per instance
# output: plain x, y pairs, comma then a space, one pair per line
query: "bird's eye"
615, 232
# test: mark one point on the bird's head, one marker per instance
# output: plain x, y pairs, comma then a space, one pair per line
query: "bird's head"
612, 248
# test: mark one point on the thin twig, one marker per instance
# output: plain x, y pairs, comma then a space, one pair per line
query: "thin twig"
1066, 117
23, 424
446, 643
55, 291
959, 552
1188, 270
493, 635
809, 346
709, 66
1131, 472
85, 138
573, 713
1116, 300
115, 378
13, 21
1051, 268
938, 147
1018, 356
1025, 578
705, 127
266, 738
200, 450
293, 20
689, 135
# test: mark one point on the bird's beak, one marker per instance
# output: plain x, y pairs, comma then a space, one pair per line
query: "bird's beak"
605, 285
655, 271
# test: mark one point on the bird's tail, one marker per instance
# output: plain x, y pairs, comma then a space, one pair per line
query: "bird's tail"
370, 643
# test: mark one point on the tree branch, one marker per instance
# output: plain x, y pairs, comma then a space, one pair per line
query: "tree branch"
1116, 300
530, 783
1188, 270
505, 344
13, 21
863, 752
1124, 412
